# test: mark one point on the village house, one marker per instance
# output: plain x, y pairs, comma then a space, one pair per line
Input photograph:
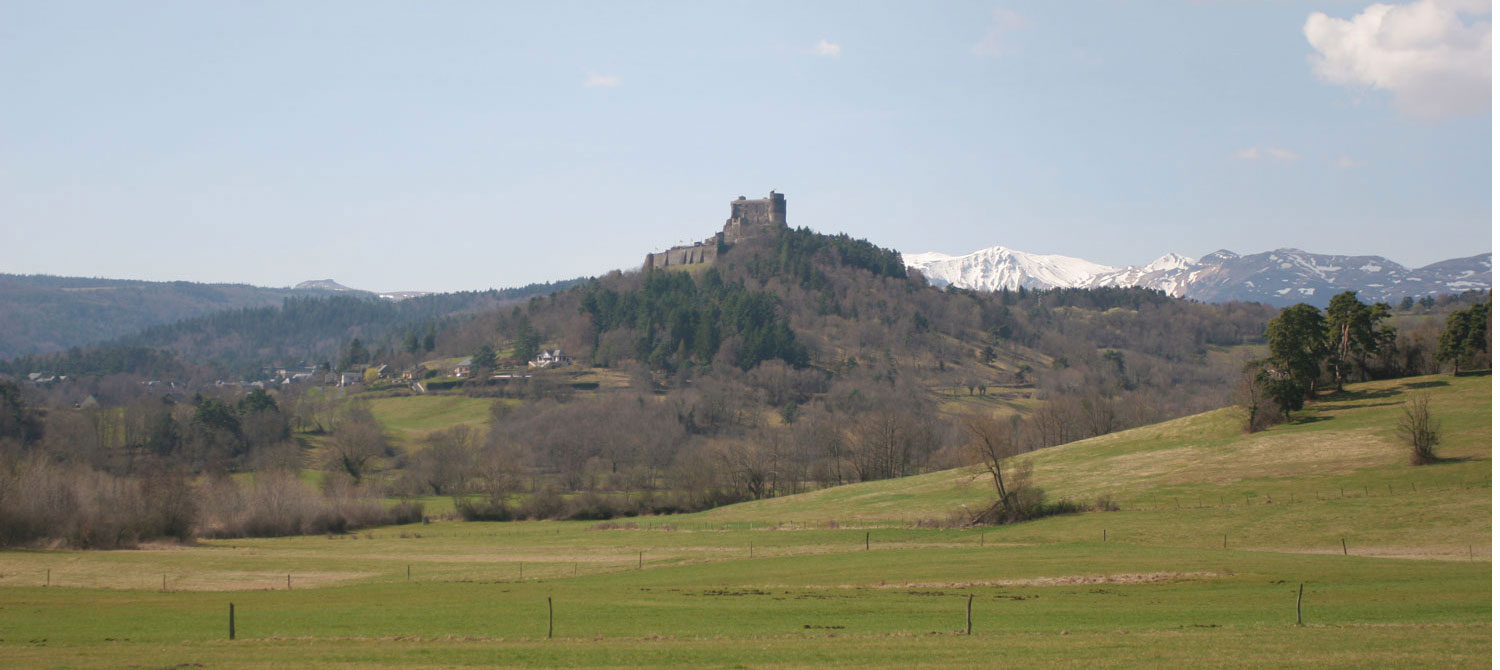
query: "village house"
464, 368
549, 358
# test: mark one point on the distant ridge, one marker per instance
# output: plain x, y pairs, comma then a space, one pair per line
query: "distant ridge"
323, 285
1280, 277
331, 285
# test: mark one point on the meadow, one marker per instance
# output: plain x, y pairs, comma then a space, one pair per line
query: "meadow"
1202, 566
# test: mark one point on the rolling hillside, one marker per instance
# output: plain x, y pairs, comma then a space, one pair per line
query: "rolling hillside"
848, 577
1337, 471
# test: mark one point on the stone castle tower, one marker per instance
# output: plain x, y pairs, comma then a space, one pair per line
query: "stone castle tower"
747, 219
750, 218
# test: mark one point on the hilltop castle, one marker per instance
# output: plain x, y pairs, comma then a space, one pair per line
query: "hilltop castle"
747, 219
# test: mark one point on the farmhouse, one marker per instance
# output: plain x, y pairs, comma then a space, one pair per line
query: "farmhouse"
549, 358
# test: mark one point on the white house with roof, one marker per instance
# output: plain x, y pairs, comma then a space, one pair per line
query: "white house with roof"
549, 358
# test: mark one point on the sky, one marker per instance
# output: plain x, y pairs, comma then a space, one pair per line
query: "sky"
468, 145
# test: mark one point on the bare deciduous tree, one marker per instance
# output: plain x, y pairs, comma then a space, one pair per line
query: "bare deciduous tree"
356, 441
1419, 430
995, 442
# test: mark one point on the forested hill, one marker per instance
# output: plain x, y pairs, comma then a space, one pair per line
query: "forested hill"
820, 312
304, 326
41, 314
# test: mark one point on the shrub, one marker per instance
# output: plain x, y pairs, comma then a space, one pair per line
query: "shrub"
545, 504
1105, 503
1419, 430
405, 512
484, 510
592, 507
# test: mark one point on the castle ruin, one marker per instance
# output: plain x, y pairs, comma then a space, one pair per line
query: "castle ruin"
747, 219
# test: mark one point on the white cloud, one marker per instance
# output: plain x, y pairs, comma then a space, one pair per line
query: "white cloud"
596, 80
1433, 56
1281, 154
1345, 163
830, 49
997, 41
1273, 152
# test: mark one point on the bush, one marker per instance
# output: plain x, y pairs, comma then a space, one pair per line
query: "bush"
484, 510
592, 507
545, 504
1419, 430
405, 512
277, 504
42, 502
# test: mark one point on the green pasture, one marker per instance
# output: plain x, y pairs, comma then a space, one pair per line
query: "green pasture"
408, 419
1200, 568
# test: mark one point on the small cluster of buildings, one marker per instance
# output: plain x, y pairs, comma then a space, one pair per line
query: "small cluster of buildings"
549, 358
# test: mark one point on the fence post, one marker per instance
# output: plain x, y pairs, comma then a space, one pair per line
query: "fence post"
231, 621
1299, 604
549, 617
1345, 545
969, 617
867, 540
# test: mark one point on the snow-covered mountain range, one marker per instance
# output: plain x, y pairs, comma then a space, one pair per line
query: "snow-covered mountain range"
1281, 277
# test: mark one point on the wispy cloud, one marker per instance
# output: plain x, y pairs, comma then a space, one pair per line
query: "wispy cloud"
1433, 56
829, 49
596, 80
1274, 153
997, 42
1345, 163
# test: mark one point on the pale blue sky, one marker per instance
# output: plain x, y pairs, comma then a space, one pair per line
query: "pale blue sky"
446, 146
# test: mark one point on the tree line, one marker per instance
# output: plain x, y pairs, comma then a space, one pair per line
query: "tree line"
1349, 340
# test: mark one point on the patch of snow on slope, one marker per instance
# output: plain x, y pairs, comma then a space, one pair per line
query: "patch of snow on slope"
998, 267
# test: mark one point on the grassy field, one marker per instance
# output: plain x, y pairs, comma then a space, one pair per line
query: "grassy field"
1202, 567
408, 419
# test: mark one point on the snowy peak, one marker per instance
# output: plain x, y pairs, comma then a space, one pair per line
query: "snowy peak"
1282, 277
999, 267
1168, 262
1168, 274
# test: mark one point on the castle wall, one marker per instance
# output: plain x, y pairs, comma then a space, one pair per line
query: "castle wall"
747, 219
697, 253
